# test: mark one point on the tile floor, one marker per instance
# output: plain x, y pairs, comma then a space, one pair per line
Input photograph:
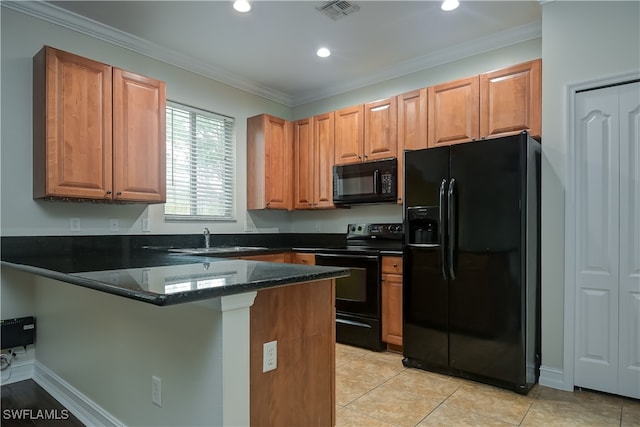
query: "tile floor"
376, 390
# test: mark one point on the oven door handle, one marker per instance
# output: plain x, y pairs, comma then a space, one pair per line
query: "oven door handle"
347, 256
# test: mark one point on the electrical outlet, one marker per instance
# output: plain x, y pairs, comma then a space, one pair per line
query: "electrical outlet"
74, 224
145, 225
114, 225
156, 390
269, 356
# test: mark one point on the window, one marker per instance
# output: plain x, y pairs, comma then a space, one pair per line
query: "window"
200, 164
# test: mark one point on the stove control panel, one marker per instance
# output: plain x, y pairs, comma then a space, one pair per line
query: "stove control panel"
373, 231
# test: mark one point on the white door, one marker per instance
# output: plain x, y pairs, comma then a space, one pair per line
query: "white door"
629, 369
607, 343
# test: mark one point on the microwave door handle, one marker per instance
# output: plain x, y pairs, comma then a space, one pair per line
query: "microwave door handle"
441, 235
376, 182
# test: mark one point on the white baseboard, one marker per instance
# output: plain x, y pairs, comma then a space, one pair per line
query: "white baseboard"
17, 372
86, 410
554, 378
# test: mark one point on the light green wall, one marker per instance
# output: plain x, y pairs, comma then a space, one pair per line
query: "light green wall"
581, 41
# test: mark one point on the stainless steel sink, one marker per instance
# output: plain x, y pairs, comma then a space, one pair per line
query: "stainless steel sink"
218, 250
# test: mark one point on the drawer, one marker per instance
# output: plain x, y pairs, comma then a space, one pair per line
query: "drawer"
392, 264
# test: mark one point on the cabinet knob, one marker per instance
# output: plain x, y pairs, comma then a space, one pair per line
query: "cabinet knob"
395, 265
119, 193
108, 191
304, 261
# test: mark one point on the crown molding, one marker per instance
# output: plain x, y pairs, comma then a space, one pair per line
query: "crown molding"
56, 15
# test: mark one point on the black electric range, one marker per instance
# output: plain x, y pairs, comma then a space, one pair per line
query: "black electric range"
358, 296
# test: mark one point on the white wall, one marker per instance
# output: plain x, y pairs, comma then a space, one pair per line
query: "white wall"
581, 41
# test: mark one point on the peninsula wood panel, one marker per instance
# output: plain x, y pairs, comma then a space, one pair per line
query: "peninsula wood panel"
301, 390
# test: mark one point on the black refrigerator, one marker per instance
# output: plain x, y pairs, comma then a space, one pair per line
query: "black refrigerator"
471, 284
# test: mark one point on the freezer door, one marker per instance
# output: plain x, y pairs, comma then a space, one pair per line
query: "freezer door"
486, 298
424, 170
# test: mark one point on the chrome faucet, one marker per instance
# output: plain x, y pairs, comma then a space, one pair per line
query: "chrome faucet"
206, 237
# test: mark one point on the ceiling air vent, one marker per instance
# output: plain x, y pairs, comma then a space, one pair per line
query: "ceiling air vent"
338, 9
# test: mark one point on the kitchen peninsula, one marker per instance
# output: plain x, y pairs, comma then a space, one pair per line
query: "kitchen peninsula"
195, 324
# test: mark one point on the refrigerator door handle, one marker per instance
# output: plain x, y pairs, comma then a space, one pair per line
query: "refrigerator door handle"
451, 224
441, 234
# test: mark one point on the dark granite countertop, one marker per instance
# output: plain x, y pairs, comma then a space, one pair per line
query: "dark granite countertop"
163, 278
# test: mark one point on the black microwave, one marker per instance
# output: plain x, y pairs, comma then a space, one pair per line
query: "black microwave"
368, 182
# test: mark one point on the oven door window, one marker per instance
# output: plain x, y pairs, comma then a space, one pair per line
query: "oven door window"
358, 293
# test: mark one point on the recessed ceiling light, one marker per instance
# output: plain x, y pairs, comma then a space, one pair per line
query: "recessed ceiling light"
448, 5
242, 6
323, 52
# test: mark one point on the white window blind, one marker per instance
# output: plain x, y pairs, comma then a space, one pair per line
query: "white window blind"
200, 164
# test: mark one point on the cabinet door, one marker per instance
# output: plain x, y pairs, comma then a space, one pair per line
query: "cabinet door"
278, 162
412, 127
392, 308
304, 154
510, 100
323, 130
304, 258
454, 112
139, 117
349, 135
269, 163
72, 137
380, 129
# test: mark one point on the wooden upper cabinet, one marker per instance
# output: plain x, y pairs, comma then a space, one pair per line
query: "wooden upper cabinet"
412, 127
313, 153
510, 100
349, 135
99, 132
304, 154
72, 127
380, 129
139, 118
497, 103
269, 163
323, 135
454, 112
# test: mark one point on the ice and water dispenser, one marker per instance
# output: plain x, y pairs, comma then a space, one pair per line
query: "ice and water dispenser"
422, 225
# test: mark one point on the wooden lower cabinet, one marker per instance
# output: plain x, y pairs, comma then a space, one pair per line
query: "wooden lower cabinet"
392, 300
304, 258
301, 390
279, 257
